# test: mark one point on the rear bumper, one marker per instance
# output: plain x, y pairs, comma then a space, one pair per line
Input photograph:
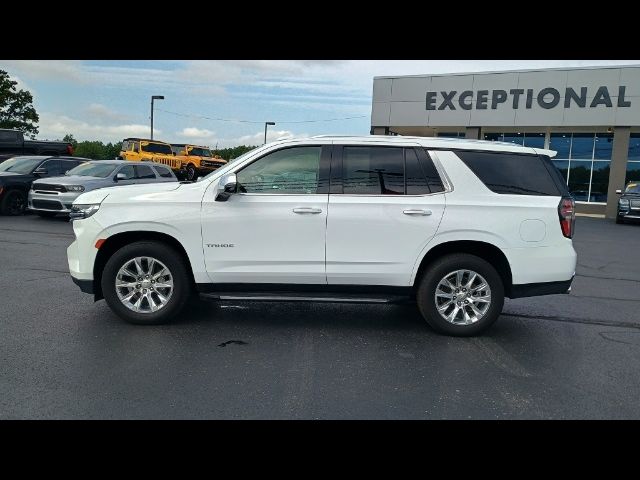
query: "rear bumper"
86, 286
538, 289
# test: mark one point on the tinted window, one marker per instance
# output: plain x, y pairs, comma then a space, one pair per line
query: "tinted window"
433, 178
373, 170
66, 165
54, 168
157, 148
164, 172
292, 170
144, 171
128, 171
511, 173
9, 136
415, 179
20, 164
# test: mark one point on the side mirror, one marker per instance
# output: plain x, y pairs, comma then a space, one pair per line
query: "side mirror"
227, 186
619, 192
120, 176
40, 171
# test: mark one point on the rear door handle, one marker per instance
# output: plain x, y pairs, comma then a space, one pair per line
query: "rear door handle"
416, 212
307, 210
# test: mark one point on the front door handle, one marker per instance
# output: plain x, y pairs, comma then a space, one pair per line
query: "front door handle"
307, 210
412, 211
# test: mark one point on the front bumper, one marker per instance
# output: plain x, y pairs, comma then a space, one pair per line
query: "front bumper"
50, 201
631, 214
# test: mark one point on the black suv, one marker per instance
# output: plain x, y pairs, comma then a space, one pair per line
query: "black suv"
17, 174
629, 203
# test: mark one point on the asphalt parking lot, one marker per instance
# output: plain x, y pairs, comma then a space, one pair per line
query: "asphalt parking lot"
62, 356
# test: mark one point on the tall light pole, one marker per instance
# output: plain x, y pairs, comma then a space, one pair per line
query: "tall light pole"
154, 97
265, 129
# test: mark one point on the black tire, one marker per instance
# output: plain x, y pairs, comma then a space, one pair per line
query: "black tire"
182, 283
436, 271
192, 173
14, 202
46, 214
619, 219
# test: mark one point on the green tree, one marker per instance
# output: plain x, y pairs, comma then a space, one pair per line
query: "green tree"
94, 150
233, 152
16, 107
70, 139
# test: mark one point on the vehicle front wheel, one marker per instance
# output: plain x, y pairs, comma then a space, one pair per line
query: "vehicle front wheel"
192, 173
460, 295
146, 283
13, 203
619, 219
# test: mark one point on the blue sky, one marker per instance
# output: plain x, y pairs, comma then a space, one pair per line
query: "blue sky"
109, 100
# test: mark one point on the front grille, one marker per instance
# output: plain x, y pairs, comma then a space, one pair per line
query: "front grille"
50, 188
47, 205
208, 164
635, 203
169, 162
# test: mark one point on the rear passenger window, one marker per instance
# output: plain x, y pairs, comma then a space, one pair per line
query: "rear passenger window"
433, 178
373, 170
415, 179
511, 173
164, 172
143, 171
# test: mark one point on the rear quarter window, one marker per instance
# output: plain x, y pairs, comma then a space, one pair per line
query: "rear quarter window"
511, 173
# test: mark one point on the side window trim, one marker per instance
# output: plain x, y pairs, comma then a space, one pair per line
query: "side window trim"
323, 170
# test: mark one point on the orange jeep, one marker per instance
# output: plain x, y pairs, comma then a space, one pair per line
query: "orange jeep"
198, 161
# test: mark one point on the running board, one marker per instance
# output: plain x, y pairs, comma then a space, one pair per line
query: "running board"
305, 297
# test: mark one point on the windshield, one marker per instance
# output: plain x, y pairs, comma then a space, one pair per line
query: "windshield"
20, 164
631, 188
200, 152
157, 148
91, 169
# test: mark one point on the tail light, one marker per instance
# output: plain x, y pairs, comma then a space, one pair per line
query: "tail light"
567, 214
70, 149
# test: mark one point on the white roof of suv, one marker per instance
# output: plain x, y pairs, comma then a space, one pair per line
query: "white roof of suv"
434, 142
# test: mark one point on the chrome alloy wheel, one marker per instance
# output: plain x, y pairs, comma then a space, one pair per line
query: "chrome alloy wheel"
144, 284
463, 297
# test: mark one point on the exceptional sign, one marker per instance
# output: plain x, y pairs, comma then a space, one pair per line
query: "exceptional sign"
518, 98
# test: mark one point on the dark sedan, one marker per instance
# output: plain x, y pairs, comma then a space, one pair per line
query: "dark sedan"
629, 203
17, 174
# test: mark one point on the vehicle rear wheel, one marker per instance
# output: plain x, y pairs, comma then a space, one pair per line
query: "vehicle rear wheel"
460, 295
13, 203
46, 214
146, 283
192, 173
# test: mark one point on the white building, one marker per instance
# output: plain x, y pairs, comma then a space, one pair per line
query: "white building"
590, 116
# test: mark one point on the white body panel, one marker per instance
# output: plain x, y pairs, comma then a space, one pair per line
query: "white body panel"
363, 240
271, 243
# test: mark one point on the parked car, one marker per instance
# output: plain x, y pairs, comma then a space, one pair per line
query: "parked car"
17, 174
200, 161
12, 143
143, 150
357, 219
629, 203
55, 195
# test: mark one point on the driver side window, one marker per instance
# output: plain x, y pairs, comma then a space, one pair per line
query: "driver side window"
291, 170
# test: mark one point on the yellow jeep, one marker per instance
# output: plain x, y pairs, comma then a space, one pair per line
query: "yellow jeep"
143, 150
198, 160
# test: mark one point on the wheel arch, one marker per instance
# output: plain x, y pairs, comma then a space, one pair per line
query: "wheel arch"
485, 250
119, 240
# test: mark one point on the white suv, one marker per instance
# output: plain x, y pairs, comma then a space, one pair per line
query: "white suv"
456, 225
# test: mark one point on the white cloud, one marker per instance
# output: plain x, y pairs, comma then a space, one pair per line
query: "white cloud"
193, 132
101, 113
57, 126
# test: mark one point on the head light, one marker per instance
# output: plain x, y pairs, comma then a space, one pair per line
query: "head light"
81, 211
624, 202
74, 188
